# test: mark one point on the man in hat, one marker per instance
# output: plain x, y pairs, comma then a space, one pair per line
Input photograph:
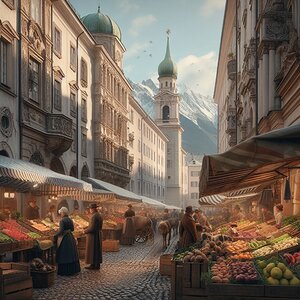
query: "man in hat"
93, 252
32, 210
187, 229
128, 236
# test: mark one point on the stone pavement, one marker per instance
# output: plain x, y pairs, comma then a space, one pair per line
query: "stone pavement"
132, 273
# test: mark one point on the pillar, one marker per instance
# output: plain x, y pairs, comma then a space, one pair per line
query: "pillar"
271, 79
265, 85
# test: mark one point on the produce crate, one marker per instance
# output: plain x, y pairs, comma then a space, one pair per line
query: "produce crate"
192, 273
43, 279
110, 246
5, 247
222, 289
165, 266
176, 280
16, 282
81, 246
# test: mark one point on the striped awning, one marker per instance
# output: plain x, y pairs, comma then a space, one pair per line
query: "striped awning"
211, 200
119, 192
259, 160
24, 176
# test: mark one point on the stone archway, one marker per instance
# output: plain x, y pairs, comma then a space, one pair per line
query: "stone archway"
5, 150
57, 166
85, 172
73, 171
4, 153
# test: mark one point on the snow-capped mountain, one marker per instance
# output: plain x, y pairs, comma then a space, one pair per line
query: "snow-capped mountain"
198, 116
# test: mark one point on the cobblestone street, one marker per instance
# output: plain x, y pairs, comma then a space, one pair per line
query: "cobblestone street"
131, 273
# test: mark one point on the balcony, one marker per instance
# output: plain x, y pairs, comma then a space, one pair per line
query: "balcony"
231, 68
59, 133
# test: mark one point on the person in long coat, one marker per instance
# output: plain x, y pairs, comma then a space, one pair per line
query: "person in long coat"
128, 236
187, 229
67, 257
93, 252
32, 210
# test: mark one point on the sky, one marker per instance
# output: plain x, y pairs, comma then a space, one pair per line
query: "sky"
195, 27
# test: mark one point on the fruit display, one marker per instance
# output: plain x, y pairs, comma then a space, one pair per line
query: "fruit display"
220, 272
280, 238
275, 272
266, 229
196, 256
109, 223
289, 220
80, 222
242, 256
257, 244
5, 238
50, 224
34, 235
39, 226
15, 234
286, 243
292, 259
243, 272
238, 246
246, 225
38, 265
249, 234
264, 251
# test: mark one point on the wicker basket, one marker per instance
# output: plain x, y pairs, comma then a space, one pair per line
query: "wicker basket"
43, 279
110, 245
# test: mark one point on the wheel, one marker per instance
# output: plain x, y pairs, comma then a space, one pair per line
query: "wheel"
139, 238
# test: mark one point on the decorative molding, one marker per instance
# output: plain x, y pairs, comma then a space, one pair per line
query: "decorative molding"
8, 32
6, 121
58, 72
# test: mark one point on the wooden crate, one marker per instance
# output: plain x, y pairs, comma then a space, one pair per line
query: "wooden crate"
219, 289
81, 245
165, 265
192, 273
110, 246
176, 280
43, 279
277, 291
16, 282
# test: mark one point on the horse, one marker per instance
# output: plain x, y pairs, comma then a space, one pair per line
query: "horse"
143, 229
174, 222
164, 229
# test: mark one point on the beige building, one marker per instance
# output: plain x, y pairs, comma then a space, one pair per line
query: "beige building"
257, 84
147, 154
193, 171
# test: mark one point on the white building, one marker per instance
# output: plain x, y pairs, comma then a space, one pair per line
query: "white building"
193, 171
167, 119
147, 154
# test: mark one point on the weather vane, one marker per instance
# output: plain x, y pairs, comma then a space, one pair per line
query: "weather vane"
168, 31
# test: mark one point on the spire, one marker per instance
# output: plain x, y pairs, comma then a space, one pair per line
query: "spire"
99, 10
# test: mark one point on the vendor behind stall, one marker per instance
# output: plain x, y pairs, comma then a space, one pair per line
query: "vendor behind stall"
51, 215
32, 210
278, 213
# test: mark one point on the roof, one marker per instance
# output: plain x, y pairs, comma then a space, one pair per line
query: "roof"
259, 160
167, 68
152, 202
120, 192
100, 23
25, 176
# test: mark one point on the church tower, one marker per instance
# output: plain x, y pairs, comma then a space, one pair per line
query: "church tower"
167, 119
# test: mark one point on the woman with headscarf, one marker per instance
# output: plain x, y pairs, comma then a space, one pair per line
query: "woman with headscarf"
128, 236
67, 257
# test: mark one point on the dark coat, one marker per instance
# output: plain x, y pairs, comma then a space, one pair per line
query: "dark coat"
67, 251
93, 252
32, 213
129, 213
187, 231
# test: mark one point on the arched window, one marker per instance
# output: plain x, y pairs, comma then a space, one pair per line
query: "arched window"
166, 113
4, 153
85, 172
37, 158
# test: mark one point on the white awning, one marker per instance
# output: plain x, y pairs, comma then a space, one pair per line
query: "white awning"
118, 191
152, 202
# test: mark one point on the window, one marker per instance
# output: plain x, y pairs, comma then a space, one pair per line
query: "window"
3, 61
166, 83
131, 116
139, 145
72, 57
35, 10
168, 163
57, 41
195, 173
194, 195
139, 124
194, 183
166, 114
83, 73
57, 95
73, 104
83, 143
83, 110
73, 147
34, 76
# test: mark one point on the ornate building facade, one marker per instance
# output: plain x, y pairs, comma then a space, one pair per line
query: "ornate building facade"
167, 119
68, 109
257, 82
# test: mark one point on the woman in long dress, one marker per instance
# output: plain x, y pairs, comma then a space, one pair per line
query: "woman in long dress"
67, 257
128, 236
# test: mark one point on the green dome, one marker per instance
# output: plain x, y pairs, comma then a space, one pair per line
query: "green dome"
100, 23
167, 68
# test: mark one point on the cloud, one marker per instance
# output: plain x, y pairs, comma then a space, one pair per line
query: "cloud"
139, 23
198, 72
136, 49
128, 6
209, 7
